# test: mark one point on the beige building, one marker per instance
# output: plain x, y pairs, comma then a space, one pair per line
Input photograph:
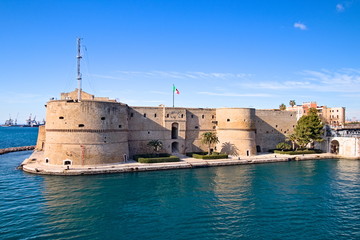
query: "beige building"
101, 131
332, 116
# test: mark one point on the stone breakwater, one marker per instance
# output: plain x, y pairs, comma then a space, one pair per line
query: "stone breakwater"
16, 149
36, 165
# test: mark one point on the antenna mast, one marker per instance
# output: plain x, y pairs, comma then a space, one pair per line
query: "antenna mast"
78, 68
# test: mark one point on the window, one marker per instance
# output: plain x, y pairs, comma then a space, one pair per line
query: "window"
120, 126
46, 160
213, 116
155, 115
81, 125
102, 118
196, 127
167, 115
228, 120
203, 116
67, 162
144, 115
131, 114
182, 115
192, 116
61, 117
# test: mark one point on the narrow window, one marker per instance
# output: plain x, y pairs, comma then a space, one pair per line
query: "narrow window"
192, 116
155, 115
61, 117
203, 116
102, 118
228, 120
144, 115
81, 125
275, 125
120, 126
46, 160
167, 115
148, 132
213, 116
182, 115
131, 114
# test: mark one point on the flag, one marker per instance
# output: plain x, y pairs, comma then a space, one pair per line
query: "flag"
175, 90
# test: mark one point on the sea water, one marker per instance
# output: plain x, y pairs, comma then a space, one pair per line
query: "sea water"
317, 199
18, 136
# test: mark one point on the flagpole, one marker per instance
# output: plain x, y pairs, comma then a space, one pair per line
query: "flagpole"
173, 95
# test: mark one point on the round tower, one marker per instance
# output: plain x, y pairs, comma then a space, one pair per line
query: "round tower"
236, 131
85, 133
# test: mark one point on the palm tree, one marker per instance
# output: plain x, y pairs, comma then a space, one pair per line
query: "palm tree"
156, 145
282, 107
292, 103
292, 138
209, 138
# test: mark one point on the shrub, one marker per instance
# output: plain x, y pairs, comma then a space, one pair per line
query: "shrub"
218, 156
298, 152
150, 155
158, 159
283, 146
190, 154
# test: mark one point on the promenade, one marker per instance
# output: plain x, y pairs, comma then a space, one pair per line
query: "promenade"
34, 164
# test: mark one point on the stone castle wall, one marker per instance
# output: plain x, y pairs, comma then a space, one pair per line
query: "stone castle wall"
92, 132
236, 131
272, 126
86, 132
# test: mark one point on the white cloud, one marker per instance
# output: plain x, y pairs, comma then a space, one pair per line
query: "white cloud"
235, 94
344, 80
182, 75
301, 26
340, 7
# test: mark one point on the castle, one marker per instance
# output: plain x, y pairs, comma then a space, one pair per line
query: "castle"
94, 130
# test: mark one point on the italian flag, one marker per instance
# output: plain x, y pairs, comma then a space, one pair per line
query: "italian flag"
175, 90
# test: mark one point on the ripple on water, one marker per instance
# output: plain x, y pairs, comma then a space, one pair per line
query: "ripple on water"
295, 200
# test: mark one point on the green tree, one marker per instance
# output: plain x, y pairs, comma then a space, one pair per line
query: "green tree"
309, 129
209, 138
156, 145
283, 146
292, 103
282, 107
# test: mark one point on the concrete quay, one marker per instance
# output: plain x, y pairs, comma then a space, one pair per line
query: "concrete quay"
35, 164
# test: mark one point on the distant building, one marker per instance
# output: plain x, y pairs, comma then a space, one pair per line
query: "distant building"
334, 117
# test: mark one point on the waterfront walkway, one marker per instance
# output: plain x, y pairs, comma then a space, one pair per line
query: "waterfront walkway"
35, 164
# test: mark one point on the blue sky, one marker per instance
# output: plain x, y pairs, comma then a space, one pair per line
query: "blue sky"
218, 53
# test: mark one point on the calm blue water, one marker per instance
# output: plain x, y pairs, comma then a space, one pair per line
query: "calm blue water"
293, 200
17, 136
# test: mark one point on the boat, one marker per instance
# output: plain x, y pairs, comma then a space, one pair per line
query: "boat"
31, 122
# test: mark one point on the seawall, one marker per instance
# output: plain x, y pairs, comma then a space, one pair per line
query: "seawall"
16, 149
33, 165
